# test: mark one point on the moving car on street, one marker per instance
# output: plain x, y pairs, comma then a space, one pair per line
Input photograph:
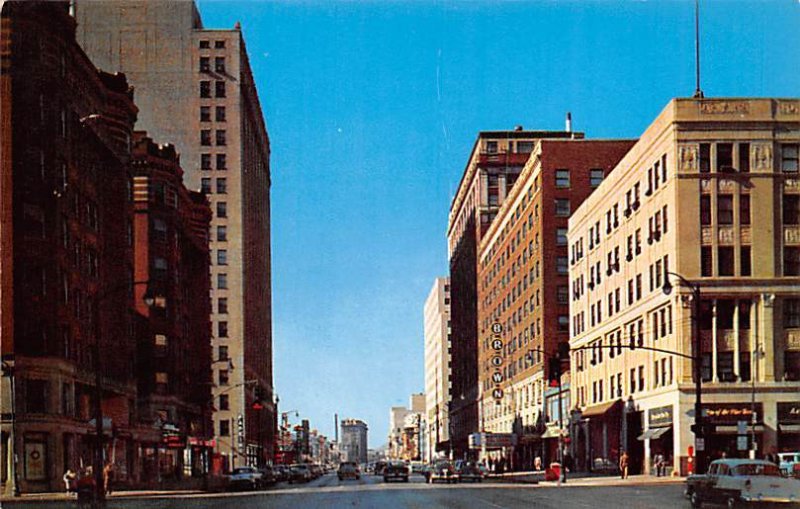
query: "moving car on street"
468, 470
248, 478
396, 470
348, 470
442, 471
299, 472
743, 482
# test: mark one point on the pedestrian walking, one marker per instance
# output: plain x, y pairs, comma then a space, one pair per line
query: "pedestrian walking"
658, 461
623, 465
537, 463
108, 477
70, 478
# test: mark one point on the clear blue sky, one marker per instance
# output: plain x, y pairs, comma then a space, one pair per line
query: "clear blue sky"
372, 109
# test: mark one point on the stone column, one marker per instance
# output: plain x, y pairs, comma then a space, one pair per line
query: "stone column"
714, 339
501, 189
736, 366
767, 335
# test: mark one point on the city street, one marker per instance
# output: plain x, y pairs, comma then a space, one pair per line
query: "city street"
372, 492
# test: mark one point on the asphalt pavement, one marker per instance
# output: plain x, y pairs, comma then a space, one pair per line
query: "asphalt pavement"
371, 492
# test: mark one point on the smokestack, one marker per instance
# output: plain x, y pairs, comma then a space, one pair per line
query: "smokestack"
569, 122
336, 426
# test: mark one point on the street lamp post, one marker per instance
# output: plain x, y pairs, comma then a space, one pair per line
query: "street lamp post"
698, 428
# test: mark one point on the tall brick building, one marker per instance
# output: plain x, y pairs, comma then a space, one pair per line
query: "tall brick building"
195, 89
523, 287
493, 166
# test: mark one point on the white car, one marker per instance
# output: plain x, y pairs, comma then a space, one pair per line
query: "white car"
743, 482
789, 463
245, 478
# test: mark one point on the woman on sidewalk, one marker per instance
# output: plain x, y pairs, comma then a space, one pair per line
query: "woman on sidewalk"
623, 465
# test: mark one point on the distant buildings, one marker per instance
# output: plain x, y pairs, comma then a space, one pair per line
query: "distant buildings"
354, 441
437, 367
710, 192
404, 428
195, 89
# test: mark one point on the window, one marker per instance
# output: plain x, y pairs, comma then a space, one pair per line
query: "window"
725, 367
222, 257
747, 263
219, 44
220, 135
705, 158
159, 229
744, 209
222, 377
222, 186
789, 157
224, 426
596, 177
561, 236
204, 45
224, 404
705, 210
641, 378
36, 396
791, 209
724, 157
562, 265
205, 161
222, 305
791, 313
159, 267
222, 233
563, 323
725, 260
563, 295
205, 89
205, 137
205, 64
222, 281
205, 185
791, 261
222, 353
220, 113
706, 263
222, 162
562, 178
725, 209
744, 157
562, 207
219, 89
222, 329
524, 147
222, 207
744, 366
205, 114
219, 64
491, 147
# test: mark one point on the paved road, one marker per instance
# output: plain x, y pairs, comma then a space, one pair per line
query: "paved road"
370, 492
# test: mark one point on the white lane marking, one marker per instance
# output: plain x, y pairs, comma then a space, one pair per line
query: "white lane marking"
491, 503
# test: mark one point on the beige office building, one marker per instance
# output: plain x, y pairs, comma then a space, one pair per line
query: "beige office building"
710, 192
195, 89
437, 366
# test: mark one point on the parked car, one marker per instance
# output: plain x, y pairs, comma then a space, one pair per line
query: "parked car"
379, 466
348, 470
417, 467
740, 482
267, 476
281, 472
468, 470
442, 471
248, 478
299, 472
396, 470
316, 470
789, 463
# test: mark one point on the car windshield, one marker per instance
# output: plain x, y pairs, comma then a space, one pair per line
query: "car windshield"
757, 469
242, 470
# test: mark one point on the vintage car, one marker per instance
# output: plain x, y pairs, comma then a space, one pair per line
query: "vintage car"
299, 472
468, 470
741, 483
789, 463
248, 478
442, 471
396, 470
348, 470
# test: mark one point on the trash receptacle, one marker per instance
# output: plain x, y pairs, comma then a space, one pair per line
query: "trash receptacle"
553, 472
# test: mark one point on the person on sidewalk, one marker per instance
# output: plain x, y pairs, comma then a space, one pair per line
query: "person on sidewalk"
69, 481
623, 465
658, 461
108, 477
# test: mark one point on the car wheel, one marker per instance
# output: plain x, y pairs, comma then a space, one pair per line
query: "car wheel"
695, 500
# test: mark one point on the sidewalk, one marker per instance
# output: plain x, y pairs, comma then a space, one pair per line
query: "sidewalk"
63, 497
581, 479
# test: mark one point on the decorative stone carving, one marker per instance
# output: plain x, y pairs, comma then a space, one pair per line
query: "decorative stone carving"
762, 156
724, 107
706, 235
746, 235
789, 107
792, 339
726, 235
687, 158
768, 298
726, 186
791, 185
791, 234
705, 185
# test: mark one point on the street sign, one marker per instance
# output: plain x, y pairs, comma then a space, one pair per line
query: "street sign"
741, 443
700, 444
497, 377
497, 393
497, 328
497, 344
497, 360
741, 428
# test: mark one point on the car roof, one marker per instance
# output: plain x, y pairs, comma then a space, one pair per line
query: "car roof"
738, 461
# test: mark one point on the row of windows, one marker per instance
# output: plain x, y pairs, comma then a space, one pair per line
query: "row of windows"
725, 209
596, 176
221, 187
220, 137
205, 161
219, 64
219, 89
219, 114
218, 44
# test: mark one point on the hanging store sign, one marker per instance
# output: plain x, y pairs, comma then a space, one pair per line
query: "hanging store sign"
730, 413
789, 413
660, 417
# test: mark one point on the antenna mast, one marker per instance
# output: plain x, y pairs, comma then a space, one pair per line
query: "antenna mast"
698, 94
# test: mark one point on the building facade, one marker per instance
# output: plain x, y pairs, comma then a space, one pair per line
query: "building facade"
523, 288
67, 298
437, 367
195, 88
496, 160
353, 445
710, 192
171, 226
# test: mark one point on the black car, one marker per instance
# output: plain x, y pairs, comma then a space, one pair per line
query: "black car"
469, 470
268, 477
396, 470
348, 470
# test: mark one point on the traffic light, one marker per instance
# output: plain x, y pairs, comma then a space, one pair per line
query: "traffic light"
563, 351
703, 430
553, 371
240, 424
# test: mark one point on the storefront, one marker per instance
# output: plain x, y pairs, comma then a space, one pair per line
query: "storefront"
733, 429
658, 439
595, 432
789, 426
